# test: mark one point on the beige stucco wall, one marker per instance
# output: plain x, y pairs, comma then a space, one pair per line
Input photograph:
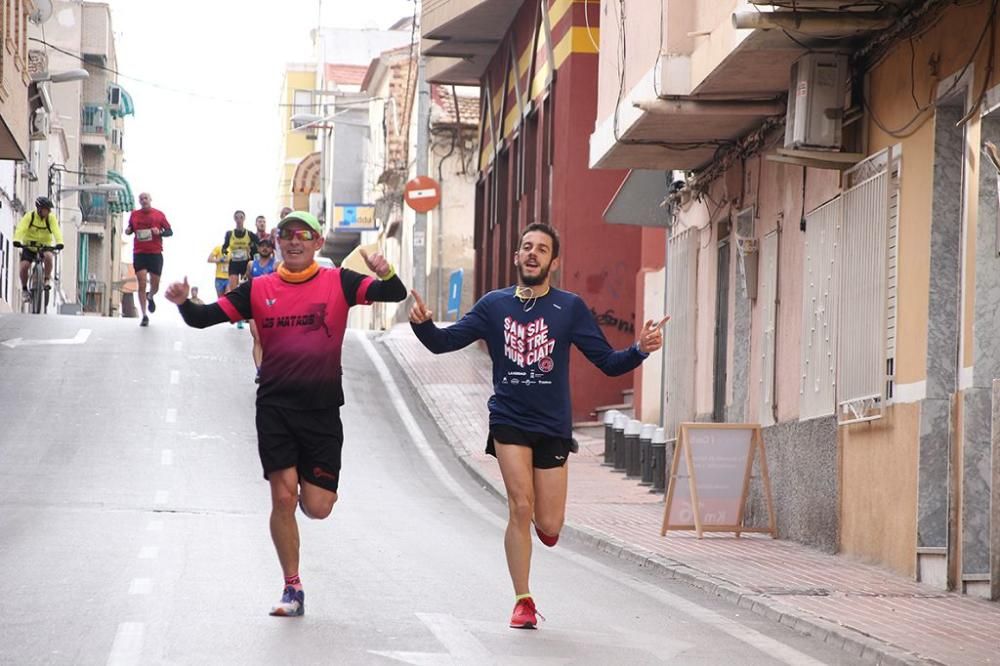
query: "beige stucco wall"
644, 41
880, 462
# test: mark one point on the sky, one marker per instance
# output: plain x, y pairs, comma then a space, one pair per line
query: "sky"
206, 79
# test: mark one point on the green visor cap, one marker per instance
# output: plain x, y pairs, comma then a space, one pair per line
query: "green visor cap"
302, 216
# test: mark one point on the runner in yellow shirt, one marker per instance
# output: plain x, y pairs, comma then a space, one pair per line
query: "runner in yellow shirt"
221, 262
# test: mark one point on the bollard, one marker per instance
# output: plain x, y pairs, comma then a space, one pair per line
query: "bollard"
645, 455
632, 431
619, 460
609, 437
658, 449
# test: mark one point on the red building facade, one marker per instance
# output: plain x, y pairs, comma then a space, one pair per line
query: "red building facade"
539, 103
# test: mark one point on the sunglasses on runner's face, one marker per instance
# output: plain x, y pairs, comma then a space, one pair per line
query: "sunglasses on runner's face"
301, 234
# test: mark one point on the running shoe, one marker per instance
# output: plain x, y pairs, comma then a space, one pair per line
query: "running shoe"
145, 321
545, 538
293, 603
525, 614
150, 303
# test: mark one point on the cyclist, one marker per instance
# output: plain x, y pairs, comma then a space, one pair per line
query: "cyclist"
37, 229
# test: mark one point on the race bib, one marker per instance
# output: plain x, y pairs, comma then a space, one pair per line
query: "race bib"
144, 234
240, 255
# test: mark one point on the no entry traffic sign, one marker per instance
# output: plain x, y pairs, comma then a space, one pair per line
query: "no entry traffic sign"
422, 194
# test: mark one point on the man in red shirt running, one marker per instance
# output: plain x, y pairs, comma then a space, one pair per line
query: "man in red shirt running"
150, 227
301, 313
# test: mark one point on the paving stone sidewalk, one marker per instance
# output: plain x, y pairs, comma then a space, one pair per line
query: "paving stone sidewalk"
874, 614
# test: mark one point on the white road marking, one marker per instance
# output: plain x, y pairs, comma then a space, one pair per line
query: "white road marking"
167, 457
155, 526
175, 377
127, 646
765, 644
140, 586
171, 415
161, 497
178, 345
463, 647
81, 336
149, 553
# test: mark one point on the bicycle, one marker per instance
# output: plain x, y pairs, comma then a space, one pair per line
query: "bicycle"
38, 296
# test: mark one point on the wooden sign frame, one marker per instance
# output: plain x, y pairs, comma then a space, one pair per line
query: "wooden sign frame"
684, 448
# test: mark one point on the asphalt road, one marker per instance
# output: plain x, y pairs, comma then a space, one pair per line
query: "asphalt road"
133, 527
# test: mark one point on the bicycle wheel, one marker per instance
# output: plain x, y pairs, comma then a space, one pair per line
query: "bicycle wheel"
37, 288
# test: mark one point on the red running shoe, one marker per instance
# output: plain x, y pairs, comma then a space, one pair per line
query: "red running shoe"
524, 616
545, 538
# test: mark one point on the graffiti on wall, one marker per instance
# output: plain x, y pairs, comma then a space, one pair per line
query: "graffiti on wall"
608, 318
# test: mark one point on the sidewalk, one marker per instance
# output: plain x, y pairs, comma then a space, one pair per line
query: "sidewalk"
874, 614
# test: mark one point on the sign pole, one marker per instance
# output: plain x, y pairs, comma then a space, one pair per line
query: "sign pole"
420, 224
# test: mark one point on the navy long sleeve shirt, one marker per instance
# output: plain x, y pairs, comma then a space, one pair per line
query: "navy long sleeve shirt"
529, 343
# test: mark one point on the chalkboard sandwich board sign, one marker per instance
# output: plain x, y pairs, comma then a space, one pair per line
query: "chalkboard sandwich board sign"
710, 479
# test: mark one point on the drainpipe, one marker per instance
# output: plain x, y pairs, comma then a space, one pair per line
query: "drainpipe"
777, 317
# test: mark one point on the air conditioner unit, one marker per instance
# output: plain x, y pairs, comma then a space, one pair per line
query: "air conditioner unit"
816, 102
39, 124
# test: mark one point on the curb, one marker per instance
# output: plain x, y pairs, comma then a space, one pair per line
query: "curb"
853, 642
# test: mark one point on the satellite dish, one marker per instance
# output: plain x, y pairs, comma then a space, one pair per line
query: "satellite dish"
42, 13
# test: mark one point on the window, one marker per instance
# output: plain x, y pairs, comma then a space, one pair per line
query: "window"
849, 296
302, 102
819, 311
866, 250
680, 336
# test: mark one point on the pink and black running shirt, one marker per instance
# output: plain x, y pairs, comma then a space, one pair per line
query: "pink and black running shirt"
301, 328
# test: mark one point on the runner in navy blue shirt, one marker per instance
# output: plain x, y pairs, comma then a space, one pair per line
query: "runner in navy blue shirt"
528, 329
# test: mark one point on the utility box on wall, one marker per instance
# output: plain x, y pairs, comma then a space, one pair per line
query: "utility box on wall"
816, 102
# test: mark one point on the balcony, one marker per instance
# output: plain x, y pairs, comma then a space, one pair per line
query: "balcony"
95, 125
94, 207
97, 40
461, 36
712, 80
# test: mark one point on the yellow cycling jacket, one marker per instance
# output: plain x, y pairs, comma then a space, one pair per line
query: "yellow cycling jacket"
35, 229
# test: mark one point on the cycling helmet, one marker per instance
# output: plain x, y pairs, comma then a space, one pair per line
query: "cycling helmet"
44, 202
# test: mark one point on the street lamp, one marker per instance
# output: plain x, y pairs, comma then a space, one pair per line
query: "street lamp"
62, 77
92, 187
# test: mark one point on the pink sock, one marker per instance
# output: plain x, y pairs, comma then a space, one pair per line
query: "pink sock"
294, 581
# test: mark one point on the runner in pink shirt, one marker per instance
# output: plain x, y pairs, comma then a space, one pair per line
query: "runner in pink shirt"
301, 314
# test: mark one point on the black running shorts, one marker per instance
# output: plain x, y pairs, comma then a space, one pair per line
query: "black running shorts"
151, 263
548, 451
308, 439
238, 267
